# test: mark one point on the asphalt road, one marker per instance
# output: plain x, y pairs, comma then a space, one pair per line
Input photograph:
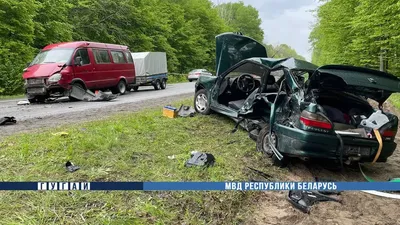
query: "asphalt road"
36, 116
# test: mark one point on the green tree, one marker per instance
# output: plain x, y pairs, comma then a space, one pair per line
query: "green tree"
16, 38
242, 18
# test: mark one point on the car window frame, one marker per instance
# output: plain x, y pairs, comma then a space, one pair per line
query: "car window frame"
94, 50
123, 55
77, 50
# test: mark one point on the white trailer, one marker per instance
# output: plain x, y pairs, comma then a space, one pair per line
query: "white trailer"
151, 69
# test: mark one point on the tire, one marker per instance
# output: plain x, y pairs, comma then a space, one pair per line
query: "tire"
263, 142
263, 146
190, 80
72, 99
157, 85
37, 99
135, 88
163, 84
201, 103
121, 88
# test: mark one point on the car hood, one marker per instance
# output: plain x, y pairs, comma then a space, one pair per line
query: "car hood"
41, 70
231, 48
373, 84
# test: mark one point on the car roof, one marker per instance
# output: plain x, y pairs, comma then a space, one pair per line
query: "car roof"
80, 44
289, 63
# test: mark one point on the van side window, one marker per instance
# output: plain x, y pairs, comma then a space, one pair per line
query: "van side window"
83, 53
129, 57
101, 56
118, 57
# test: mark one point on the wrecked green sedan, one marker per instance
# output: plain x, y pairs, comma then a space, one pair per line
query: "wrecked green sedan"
293, 108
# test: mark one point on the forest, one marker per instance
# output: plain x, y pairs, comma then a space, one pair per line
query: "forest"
184, 29
358, 32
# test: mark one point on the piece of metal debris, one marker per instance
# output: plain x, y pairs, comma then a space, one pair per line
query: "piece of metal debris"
7, 120
24, 102
71, 167
200, 159
186, 111
303, 200
79, 93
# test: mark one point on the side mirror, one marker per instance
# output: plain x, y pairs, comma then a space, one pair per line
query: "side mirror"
78, 61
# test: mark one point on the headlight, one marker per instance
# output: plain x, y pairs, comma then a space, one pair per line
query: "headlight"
55, 78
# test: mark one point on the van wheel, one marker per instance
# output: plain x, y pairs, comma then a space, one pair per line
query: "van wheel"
163, 84
121, 88
157, 85
136, 88
37, 99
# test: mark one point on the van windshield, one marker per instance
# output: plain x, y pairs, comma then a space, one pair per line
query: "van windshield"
53, 56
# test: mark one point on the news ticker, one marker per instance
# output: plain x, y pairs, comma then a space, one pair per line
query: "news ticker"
199, 186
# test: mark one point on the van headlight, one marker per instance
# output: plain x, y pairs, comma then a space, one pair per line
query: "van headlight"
55, 78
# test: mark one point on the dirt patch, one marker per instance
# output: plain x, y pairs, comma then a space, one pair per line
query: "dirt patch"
47, 122
357, 207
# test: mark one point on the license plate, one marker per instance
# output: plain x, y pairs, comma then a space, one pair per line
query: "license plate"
35, 81
357, 150
36, 91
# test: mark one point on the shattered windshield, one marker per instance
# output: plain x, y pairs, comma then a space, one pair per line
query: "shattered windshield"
53, 56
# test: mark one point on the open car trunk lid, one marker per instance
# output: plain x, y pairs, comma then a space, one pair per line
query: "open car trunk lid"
373, 84
231, 48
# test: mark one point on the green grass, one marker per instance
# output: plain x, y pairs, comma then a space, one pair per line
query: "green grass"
177, 78
11, 97
130, 147
395, 100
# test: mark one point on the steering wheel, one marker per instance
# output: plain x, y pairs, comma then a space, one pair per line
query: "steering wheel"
246, 83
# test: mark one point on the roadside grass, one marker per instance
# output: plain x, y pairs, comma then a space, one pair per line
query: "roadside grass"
131, 147
395, 100
11, 97
177, 78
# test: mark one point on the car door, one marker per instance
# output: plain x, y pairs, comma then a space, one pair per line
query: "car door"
84, 71
104, 69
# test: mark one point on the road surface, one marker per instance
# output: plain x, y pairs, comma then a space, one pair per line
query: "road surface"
36, 116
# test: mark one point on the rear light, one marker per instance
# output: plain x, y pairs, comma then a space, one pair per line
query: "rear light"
197, 74
315, 120
388, 133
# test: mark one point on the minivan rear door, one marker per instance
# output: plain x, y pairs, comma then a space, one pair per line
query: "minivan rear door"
373, 84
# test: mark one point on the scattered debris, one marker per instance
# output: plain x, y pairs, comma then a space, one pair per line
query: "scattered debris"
7, 120
171, 157
71, 167
170, 111
200, 159
261, 173
61, 134
79, 93
383, 194
186, 111
24, 102
303, 200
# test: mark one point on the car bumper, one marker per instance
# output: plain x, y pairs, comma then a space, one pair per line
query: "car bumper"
299, 143
193, 77
52, 90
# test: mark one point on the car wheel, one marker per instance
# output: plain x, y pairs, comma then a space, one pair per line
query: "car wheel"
136, 88
157, 85
201, 103
120, 88
163, 84
37, 99
263, 142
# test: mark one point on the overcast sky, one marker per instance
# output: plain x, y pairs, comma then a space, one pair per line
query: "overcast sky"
285, 21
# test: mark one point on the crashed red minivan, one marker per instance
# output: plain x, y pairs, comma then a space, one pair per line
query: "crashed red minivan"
88, 65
